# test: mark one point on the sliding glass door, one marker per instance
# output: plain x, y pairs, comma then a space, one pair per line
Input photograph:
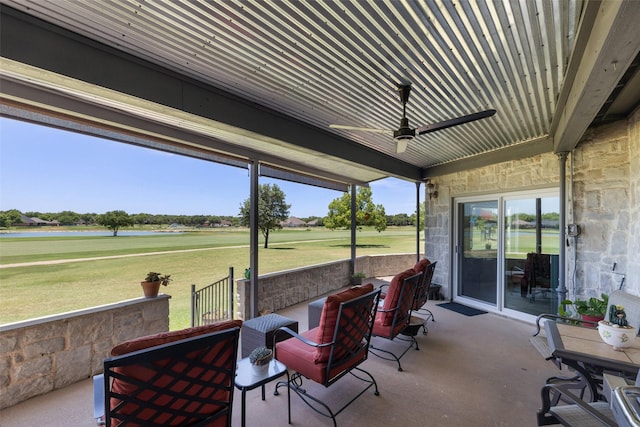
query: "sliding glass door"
531, 247
478, 250
506, 251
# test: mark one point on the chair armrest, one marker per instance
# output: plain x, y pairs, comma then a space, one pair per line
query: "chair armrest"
98, 399
566, 319
567, 395
611, 382
388, 310
296, 335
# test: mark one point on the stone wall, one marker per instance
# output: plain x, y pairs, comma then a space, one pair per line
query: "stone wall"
633, 251
602, 208
290, 287
48, 353
603, 191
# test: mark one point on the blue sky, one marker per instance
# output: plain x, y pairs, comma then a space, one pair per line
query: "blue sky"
49, 170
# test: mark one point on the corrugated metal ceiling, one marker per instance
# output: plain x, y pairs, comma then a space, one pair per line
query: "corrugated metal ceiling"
339, 62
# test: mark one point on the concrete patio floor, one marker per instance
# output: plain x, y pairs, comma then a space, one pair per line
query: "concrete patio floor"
469, 371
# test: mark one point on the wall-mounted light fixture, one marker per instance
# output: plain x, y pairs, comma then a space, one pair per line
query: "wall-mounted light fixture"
431, 189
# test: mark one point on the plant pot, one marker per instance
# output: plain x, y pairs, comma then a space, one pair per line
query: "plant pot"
616, 336
355, 281
150, 289
594, 319
263, 362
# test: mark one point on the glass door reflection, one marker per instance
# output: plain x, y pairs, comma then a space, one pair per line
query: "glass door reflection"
531, 243
478, 250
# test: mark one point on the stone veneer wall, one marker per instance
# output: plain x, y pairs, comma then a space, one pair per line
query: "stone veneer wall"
286, 288
603, 190
48, 353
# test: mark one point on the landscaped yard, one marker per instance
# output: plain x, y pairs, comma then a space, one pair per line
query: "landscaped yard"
199, 257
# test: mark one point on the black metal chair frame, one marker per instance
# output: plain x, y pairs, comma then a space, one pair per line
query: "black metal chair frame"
189, 381
353, 336
589, 374
422, 296
401, 315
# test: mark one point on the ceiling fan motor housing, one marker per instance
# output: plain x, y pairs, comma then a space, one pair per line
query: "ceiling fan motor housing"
405, 132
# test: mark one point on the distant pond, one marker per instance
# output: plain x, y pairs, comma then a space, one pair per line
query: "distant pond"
79, 233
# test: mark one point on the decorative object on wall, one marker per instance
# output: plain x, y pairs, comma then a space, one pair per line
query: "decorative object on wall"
431, 189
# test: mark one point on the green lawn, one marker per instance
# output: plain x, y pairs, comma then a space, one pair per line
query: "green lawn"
199, 257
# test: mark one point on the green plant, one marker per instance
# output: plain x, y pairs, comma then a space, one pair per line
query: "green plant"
592, 307
359, 275
158, 277
260, 355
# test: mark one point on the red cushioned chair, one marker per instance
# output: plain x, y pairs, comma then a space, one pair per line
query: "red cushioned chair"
181, 378
395, 314
421, 297
333, 349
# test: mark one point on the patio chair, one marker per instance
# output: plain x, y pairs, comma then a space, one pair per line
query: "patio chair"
332, 350
421, 297
619, 407
536, 277
180, 378
394, 316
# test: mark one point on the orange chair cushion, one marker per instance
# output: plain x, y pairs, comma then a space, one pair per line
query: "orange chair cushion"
329, 317
166, 337
382, 330
145, 374
300, 357
393, 294
421, 266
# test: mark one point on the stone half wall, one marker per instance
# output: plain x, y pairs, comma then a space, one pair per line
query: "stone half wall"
48, 353
603, 197
290, 287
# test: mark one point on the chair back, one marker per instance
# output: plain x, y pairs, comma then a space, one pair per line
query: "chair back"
422, 291
352, 336
189, 382
402, 311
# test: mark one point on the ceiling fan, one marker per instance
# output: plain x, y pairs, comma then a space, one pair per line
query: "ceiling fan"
404, 134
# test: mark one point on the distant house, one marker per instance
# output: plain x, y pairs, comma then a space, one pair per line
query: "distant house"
36, 222
223, 223
313, 223
292, 221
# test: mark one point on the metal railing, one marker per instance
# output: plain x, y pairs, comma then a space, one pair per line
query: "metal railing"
214, 302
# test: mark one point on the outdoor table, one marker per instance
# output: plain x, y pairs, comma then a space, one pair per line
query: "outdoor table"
249, 377
583, 350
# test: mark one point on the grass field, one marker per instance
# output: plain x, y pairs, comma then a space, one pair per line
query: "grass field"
198, 257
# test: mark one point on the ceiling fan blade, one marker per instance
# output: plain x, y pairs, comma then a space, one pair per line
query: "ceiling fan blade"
454, 122
375, 130
401, 145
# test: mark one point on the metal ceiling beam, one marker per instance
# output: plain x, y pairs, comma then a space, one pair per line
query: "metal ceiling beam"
514, 152
607, 44
59, 51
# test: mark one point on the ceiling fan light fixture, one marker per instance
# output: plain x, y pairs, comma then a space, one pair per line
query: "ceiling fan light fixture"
401, 144
404, 132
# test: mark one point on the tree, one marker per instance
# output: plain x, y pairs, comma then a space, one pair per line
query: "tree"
67, 217
10, 217
367, 214
272, 210
113, 220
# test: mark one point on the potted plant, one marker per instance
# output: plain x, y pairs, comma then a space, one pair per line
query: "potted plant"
593, 310
152, 282
616, 331
260, 356
357, 278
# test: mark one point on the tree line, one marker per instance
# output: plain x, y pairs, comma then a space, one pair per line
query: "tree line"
272, 211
